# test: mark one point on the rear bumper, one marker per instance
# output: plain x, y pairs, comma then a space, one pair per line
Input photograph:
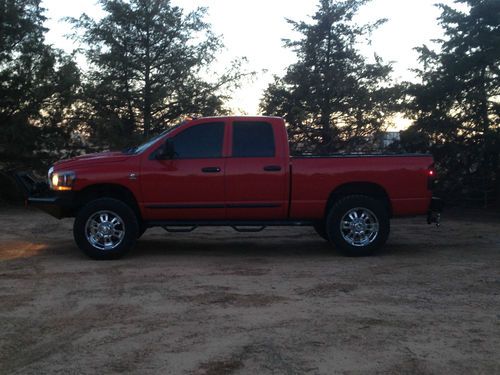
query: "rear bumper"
435, 209
37, 194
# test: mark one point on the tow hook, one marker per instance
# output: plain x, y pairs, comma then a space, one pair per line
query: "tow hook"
434, 213
434, 217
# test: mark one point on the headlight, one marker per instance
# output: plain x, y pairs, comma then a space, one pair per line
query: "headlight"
61, 180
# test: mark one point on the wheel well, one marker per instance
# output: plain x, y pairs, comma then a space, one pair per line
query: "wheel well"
118, 192
369, 189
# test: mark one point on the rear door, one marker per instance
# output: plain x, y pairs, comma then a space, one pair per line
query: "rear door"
256, 176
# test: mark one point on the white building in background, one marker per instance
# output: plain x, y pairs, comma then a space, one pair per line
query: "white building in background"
388, 138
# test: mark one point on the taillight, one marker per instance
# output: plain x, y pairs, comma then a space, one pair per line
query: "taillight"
431, 177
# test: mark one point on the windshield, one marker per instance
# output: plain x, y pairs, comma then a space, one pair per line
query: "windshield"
146, 145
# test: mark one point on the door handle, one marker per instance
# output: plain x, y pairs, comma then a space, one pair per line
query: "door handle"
272, 168
210, 170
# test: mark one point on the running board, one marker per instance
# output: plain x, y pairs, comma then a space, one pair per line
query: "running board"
180, 230
193, 224
247, 229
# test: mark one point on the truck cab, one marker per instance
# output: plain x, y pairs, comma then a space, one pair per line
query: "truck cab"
217, 169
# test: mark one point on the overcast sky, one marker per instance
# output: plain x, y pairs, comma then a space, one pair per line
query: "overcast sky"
255, 28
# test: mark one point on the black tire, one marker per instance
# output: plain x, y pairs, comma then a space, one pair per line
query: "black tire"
320, 228
359, 204
127, 226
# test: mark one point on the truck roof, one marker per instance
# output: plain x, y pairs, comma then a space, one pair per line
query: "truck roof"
240, 118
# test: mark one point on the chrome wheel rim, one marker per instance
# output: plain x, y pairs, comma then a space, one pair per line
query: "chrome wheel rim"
359, 227
105, 230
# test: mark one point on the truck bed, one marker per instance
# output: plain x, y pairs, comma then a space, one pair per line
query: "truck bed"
401, 177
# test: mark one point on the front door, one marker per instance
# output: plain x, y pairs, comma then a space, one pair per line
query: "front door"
191, 185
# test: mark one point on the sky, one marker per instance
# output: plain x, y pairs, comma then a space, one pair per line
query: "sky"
255, 29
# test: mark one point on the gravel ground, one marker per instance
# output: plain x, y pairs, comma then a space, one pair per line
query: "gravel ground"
277, 302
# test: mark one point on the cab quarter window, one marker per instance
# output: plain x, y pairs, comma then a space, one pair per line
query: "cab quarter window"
253, 139
200, 141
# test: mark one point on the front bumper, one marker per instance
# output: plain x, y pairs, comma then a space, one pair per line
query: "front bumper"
38, 194
58, 206
435, 209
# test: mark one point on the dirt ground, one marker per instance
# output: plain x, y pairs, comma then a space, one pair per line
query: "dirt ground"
277, 302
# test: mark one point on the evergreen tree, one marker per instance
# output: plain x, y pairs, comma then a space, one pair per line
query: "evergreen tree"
332, 98
149, 67
37, 82
456, 106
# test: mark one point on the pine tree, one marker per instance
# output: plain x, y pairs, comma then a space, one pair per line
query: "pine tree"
149, 66
332, 98
456, 106
37, 82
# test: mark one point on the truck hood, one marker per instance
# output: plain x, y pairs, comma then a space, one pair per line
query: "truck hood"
90, 159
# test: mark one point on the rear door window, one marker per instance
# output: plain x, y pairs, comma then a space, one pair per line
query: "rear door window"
253, 139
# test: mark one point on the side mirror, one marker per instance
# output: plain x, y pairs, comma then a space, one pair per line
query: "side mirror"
167, 151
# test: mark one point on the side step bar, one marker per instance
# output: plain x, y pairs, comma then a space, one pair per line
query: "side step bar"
180, 230
176, 226
248, 229
188, 229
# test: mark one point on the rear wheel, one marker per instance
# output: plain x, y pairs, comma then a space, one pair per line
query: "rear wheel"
358, 225
105, 229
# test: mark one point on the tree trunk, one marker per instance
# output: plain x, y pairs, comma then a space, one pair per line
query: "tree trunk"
147, 104
485, 123
326, 111
147, 87
130, 121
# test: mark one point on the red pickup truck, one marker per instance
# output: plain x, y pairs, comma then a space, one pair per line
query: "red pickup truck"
233, 171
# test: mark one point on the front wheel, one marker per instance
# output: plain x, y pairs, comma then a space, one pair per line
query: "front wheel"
105, 229
358, 225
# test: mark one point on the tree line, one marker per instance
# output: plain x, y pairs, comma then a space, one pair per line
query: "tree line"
148, 65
